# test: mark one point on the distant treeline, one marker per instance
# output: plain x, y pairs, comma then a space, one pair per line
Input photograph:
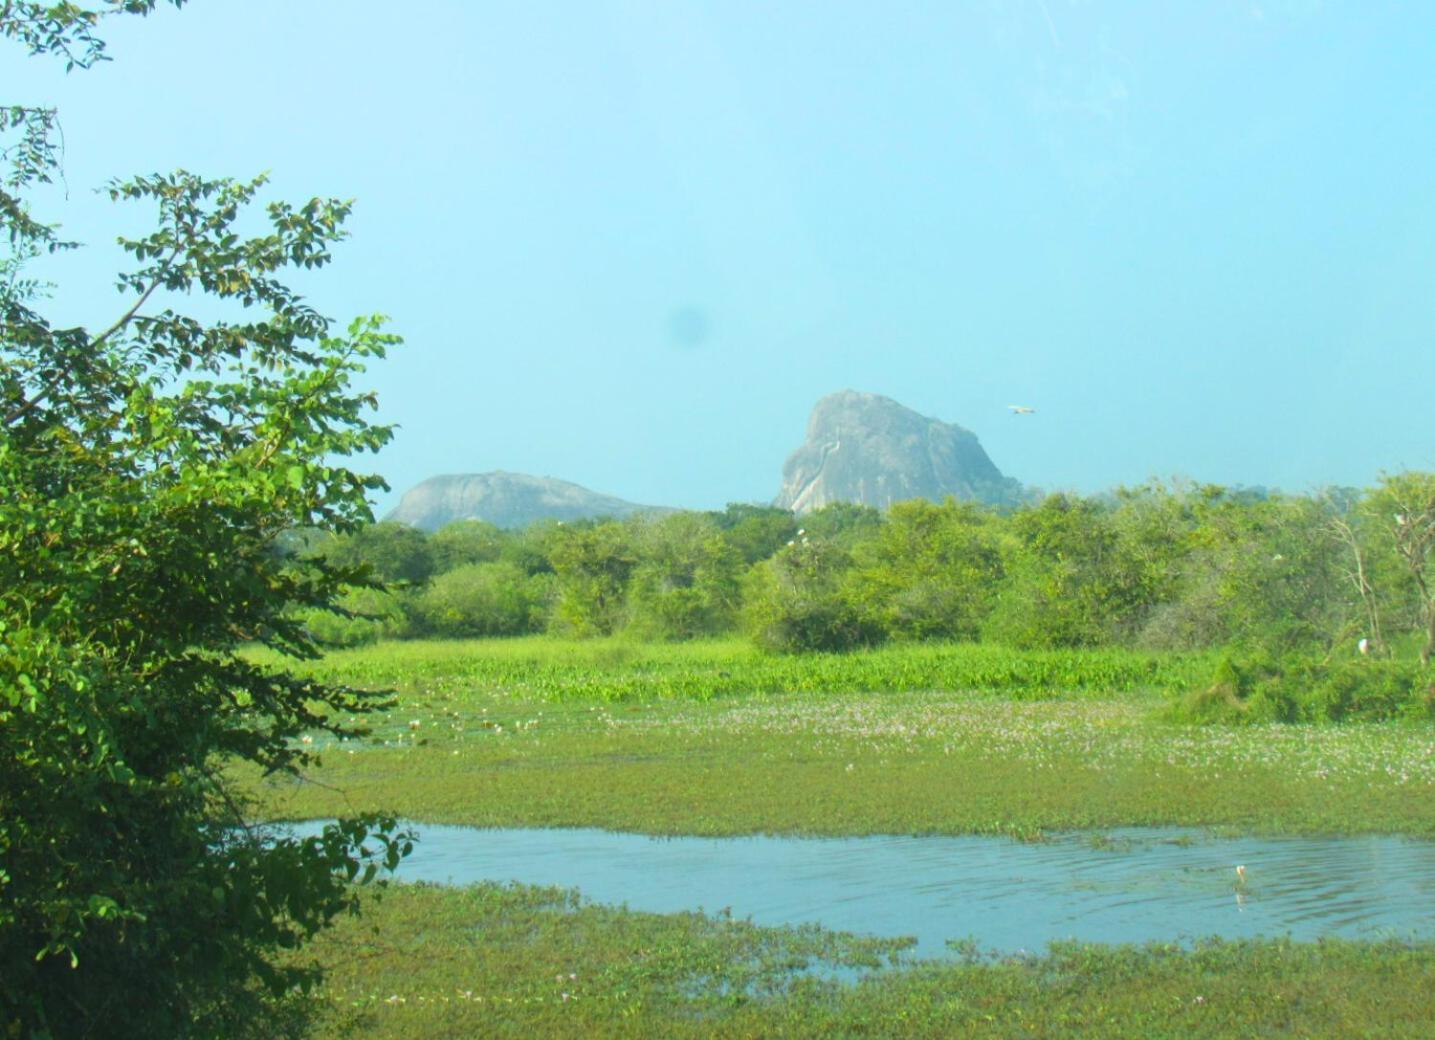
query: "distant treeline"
1157, 566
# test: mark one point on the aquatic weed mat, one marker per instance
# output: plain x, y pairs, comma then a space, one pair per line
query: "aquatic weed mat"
516, 961
888, 763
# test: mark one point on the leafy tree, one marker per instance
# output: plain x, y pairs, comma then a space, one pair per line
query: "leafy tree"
361, 616
841, 522
802, 600
687, 582
483, 599
1066, 585
463, 542
594, 563
1281, 585
932, 570
391, 552
756, 532
1216, 566
530, 549
148, 470
1400, 525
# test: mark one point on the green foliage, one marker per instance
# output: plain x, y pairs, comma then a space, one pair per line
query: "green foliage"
149, 470
1158, 567
1275, 568
723, 738
843, 523
465, 962
483, 599
1067, 586
1261, 688
464, 542
801, 600
391, 552
619, 670
594, 564
756, 532
688, 579
361, 616
933, 570
1399, 526
530, 548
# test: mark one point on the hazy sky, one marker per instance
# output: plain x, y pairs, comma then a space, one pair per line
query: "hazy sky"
630, 244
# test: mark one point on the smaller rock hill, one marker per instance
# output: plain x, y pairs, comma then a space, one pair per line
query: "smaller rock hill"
506, 500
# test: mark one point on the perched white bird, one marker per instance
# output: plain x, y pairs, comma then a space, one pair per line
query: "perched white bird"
1363, 646
1021, 409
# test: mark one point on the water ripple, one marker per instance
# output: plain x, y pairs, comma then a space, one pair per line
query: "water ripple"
1133, 886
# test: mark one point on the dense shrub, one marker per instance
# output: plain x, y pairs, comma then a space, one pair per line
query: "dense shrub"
483, 599
364, 616
392, 551
801, 600
593, 563
1159, 567
688, 582
1261, 689
755, 532
1068, 585
931, 571
464, 542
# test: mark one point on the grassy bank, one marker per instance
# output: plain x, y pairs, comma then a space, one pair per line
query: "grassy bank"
515, 961
717, 739
537, 668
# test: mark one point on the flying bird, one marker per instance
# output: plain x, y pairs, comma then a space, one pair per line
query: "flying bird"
1021, 409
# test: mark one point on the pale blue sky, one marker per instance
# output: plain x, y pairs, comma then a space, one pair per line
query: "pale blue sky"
630, 244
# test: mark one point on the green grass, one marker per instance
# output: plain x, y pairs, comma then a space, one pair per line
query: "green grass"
539, 733
536, 669
494, 960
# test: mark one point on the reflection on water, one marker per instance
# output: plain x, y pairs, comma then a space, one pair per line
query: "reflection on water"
1140, 885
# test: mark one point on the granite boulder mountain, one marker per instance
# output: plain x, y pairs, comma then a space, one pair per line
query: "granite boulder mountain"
869, 449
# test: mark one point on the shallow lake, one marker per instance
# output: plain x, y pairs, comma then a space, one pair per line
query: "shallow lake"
1130, 885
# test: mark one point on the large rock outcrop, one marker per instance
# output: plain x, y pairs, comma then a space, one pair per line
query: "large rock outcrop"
869, 449
506, 500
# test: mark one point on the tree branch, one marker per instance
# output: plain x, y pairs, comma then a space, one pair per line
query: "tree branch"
49, 386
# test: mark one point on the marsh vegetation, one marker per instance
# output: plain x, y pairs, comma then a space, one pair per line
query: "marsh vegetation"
723, 738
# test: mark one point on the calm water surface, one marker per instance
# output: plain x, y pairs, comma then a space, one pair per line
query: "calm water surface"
1123, 886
